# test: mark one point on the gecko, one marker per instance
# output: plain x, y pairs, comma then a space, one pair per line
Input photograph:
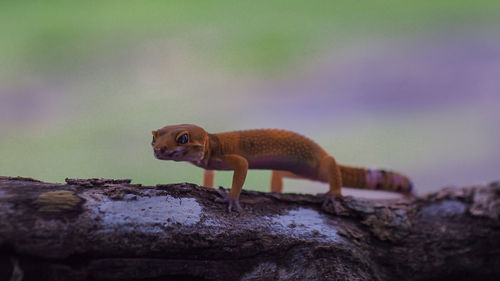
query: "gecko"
287, 154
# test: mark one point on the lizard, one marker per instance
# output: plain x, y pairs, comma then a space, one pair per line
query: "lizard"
287, 154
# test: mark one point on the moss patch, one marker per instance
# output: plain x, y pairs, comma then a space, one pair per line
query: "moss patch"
58, 201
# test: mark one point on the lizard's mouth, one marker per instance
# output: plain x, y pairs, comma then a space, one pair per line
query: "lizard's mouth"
168, 155
179, 154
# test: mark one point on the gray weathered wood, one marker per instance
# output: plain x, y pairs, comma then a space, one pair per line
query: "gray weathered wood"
99, 229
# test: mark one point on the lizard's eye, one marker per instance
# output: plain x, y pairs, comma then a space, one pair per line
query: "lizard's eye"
154, 139
182, 139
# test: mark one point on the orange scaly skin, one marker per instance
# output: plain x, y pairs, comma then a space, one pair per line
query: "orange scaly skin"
286, 153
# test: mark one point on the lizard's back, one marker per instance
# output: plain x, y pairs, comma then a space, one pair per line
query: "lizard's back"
274, 149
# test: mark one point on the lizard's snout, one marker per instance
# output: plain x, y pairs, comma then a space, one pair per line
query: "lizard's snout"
160, 150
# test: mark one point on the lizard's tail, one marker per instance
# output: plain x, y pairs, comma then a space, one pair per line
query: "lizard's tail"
375, 179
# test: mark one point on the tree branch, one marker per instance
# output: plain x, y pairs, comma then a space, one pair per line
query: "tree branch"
101, 229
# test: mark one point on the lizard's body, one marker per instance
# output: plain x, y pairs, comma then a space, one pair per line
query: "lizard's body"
286, 153
265, 149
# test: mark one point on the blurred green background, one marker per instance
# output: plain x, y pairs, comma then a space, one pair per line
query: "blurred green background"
406, 85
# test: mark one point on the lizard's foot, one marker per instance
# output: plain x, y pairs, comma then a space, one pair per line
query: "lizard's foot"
232, 201
331, 198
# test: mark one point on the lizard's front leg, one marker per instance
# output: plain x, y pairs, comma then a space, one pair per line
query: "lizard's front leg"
277, 179
240, 167
208, 178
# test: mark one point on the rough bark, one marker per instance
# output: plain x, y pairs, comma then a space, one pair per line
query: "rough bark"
100, 229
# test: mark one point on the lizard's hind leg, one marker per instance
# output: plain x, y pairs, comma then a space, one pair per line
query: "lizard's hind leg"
329, 167
277, 179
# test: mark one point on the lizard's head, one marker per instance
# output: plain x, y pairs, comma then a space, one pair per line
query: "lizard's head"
183, 142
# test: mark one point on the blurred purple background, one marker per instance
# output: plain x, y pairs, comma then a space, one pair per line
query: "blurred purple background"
416, 89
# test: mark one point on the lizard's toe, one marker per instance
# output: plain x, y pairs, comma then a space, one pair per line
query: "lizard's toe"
330, 198
234, 202
227, 198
